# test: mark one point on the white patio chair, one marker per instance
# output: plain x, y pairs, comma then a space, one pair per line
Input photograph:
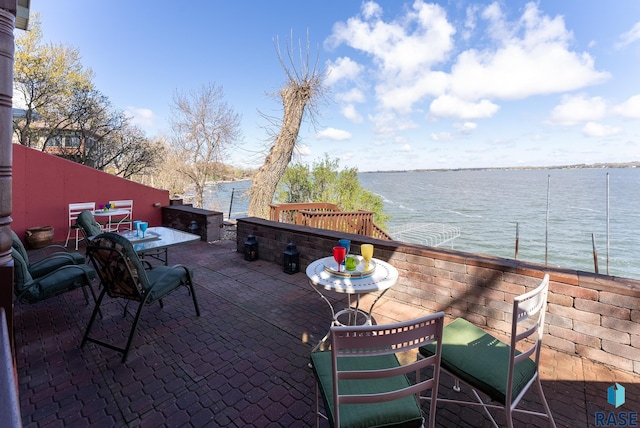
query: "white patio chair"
74, 211
126, 221
363, 382
503, 372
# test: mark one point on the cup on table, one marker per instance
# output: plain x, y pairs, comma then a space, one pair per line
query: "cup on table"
346, 243
367, 254
351, 263
143, 227
136, 226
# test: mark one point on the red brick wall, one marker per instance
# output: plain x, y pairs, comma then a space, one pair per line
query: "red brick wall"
594, 316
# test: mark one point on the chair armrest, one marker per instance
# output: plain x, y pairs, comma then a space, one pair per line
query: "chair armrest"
49, 251
54, 256
171, 269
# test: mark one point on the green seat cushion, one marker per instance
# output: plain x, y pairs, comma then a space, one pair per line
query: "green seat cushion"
164, 279
481, 360
404, 412
64, 279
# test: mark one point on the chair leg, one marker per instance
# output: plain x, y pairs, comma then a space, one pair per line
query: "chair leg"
195, 301
93, 317
133, 331
78, 238
545, 404
86, 296
68, 236
317, 406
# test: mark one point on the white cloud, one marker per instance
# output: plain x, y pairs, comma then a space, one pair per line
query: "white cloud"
401, 98
386, 123
142, 117
594, 129
302, 150
420, 38
575, 109
630, 108
343, 68
442, 136
405, 148
349, 111
345, 157
525, 57
354, 95
629, 37
334, 134
449, 106
466, 127
403, 50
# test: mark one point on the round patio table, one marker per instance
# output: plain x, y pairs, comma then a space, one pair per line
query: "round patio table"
109, 225
322, 277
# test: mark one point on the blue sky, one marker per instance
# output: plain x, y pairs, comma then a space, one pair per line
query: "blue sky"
412, 85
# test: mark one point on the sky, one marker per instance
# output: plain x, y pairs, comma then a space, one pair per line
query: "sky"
409, 85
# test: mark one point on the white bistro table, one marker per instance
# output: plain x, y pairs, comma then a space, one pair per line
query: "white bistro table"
383, 277
110, 225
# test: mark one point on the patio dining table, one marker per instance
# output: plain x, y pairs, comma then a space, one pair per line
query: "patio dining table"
156, 241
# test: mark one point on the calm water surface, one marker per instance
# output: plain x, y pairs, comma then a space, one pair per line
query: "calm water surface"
487, 205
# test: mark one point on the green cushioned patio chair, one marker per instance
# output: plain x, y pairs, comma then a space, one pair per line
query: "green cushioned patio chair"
123, 277
65, 278
48, 260
88, 224
373, 389
504, 372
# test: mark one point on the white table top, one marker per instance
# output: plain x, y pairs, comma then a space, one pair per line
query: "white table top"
383, 277
110, 213
157, 238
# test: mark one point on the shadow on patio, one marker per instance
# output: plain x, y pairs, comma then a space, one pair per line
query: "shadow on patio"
243, 362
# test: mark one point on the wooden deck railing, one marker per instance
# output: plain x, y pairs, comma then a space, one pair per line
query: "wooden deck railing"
327, 216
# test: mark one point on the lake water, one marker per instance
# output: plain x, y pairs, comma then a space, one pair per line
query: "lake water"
559, 213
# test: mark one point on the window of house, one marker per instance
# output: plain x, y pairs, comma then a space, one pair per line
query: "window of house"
55, 141
72, 141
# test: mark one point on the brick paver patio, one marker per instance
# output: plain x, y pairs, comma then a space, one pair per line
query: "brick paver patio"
243, 362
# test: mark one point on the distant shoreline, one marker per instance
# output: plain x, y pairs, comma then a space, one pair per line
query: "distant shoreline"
635, 164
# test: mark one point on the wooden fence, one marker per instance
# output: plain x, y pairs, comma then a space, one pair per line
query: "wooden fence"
327, 216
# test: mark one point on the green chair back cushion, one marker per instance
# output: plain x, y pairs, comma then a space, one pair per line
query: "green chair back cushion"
22, 279
481, 360
19, 246
122, 273
403, 412
88, 223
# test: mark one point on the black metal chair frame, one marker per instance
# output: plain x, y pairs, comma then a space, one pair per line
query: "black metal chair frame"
141, 293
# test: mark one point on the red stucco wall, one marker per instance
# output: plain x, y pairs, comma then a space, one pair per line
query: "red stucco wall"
44, 185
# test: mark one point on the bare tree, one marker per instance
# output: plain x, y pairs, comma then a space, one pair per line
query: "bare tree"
300, 96
203, 126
